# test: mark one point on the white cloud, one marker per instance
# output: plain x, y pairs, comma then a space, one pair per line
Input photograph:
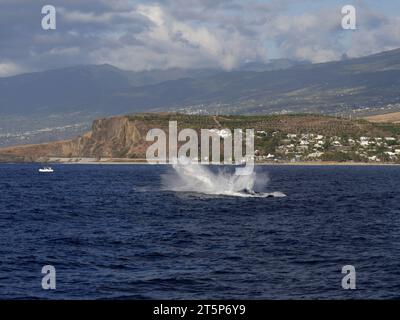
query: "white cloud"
85, 17
168, 42
9, 69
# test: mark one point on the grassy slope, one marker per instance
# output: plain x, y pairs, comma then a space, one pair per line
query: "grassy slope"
393, 117
293, 123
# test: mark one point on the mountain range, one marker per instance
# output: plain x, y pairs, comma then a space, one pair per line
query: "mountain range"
104, 88
76, 95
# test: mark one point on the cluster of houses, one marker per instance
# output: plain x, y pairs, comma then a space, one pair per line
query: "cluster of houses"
312, 147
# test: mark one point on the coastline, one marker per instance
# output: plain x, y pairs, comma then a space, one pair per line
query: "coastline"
125, 161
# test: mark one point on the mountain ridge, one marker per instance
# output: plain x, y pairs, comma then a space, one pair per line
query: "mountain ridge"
109, 90
357, 87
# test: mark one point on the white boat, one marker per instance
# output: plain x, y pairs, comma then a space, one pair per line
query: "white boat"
46, 170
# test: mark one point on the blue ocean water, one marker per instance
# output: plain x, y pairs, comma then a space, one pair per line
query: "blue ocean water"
113, 232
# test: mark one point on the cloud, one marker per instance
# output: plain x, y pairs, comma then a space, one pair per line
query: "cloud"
167, 42
9, 69
139, 35
85, 17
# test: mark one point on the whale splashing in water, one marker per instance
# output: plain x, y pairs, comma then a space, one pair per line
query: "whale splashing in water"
201, 179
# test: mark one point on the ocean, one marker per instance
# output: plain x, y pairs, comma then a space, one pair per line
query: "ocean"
122, 232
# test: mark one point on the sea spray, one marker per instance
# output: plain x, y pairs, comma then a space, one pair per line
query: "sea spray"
216, 181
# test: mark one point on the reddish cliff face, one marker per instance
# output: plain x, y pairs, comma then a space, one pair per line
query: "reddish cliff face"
116, 137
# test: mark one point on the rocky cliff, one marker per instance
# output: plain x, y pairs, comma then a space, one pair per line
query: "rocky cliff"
117, 137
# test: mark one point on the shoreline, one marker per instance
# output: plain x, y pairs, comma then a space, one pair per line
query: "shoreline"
123, 161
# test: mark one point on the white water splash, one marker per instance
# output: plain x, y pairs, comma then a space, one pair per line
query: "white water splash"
200, 179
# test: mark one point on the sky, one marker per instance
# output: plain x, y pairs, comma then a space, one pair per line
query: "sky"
146, 34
